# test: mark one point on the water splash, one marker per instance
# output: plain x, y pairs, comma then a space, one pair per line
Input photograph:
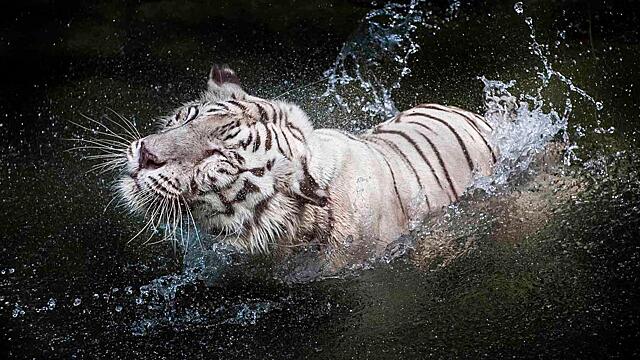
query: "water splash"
524, 126
370, 67
521, 130
204, 262
367, 71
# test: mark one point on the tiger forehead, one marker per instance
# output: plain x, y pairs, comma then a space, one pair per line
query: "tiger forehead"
250, 111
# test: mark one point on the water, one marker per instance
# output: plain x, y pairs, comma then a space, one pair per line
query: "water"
545, 249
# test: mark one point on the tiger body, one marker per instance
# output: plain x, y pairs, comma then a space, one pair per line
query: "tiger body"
381, 182
256, 174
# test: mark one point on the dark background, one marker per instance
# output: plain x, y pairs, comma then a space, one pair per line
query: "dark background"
570, 290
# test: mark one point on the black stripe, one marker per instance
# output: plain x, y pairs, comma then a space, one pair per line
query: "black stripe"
308, 187
300, 137
455, 133
232, 135
272, 117
168, 181
420, 124
224, 127
228, 207
247, 188
238, 104
404, 157
276, 116
239, 158
475, 127
275, 134
419, 151
157, 184
263, 114
256, 143
247, 141
293, 127
267, 144
261, 207
393, 178
221, 104
441, 161
286, 139
281, 115
453, 111
483, 120
395, 186
468, 120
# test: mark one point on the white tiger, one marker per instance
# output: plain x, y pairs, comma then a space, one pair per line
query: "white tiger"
256, 173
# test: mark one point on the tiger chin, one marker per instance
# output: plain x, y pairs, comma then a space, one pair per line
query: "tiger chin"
255, 174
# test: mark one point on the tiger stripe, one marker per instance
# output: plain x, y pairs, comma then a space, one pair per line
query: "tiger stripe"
467, 119
271, 178
461, 142
420, 152
408, 133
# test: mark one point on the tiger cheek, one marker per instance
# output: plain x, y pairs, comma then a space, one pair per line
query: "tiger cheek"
200, 181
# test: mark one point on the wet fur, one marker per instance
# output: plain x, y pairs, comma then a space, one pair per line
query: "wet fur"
255, 174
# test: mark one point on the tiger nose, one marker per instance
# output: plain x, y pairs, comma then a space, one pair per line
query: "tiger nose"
147, 159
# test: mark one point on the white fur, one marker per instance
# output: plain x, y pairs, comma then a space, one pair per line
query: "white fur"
354, 195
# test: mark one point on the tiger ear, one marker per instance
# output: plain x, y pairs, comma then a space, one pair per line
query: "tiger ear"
222, 74
224, 84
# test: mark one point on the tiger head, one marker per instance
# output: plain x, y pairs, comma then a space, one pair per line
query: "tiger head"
233, 163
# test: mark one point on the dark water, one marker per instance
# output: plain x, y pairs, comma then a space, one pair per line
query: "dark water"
557, 277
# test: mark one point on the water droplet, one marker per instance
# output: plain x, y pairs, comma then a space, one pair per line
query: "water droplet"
518, 7
599, 105
118, 308
77, 302
51, 304
17, 311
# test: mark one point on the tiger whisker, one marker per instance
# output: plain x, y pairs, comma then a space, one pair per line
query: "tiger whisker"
152, 218
102, 168
94, 131
106, 166
112, 156
126, 131
128, 122
155, 224
119, 149
109, 130
98, 143
104, 151
140, 232
175, 205
126, 127
109, 141
195, 228
113, 198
